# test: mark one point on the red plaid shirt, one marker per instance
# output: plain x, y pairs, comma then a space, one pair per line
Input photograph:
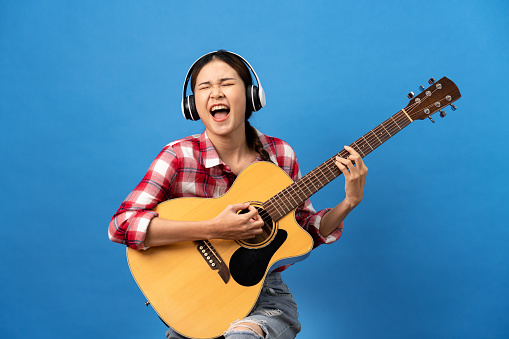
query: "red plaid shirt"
191, 167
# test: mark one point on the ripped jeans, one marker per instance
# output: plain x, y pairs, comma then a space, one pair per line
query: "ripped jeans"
275, 312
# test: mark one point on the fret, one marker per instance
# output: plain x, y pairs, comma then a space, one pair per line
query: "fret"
286, 202
277, 199
368, 143
402, 118
305, 184
316, 189
358, 148
395, 122
382, 124
381, 142
324, 175
382, 133
393, 127
331, 168
292, 195
374, 140
319, 181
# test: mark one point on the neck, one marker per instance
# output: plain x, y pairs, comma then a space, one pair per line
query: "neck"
233, 148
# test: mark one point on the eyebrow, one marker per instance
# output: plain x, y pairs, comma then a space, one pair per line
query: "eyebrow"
221, 80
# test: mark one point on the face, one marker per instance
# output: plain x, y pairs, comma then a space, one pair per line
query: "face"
220, 98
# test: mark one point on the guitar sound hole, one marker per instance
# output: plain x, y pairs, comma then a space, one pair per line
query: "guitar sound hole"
268, 230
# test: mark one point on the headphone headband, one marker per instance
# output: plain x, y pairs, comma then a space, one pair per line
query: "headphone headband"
257, 96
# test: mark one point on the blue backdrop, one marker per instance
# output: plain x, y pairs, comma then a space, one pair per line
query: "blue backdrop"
90, 92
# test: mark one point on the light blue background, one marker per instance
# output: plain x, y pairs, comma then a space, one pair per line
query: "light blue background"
90, 92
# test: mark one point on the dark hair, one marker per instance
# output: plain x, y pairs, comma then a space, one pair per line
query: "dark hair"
252, 139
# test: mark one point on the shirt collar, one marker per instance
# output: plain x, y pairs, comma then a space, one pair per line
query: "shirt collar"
211, 157
208, 152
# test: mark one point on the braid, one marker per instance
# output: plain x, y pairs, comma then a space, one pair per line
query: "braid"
254, 143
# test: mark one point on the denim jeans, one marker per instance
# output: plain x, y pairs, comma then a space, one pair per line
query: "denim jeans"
275, 312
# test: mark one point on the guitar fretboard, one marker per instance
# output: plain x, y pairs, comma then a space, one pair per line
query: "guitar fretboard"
294, 195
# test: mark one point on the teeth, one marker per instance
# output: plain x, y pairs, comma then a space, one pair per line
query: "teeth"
218, 107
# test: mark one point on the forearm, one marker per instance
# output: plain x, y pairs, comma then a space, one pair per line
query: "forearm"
355, 172
335, 217
229, 224
163, 232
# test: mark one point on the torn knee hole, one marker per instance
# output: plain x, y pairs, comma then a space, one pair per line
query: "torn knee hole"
255, 328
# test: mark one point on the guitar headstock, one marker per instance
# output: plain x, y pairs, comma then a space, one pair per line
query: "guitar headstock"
435, 98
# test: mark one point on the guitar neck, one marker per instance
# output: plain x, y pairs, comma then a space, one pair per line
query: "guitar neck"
294, 195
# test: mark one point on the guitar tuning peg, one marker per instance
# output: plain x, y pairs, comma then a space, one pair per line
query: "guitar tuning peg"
431, 81
430, 118
453, 107
421, 87
442, 114
410, 95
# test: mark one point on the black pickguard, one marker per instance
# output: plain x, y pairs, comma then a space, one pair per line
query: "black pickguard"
248, 266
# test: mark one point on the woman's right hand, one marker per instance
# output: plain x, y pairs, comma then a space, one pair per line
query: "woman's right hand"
235, 225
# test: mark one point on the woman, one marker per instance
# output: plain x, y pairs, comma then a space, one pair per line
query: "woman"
206, 165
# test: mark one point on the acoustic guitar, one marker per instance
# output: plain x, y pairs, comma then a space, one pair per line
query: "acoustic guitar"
199, 288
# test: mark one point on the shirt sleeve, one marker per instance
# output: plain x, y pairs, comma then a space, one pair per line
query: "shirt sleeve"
129, 224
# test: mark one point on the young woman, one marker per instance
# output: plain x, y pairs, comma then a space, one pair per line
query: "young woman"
206, 165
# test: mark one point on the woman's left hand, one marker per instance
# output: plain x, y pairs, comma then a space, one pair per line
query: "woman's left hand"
355, 172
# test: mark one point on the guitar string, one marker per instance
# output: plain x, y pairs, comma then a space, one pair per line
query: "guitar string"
370, 139
320, 174
400, 120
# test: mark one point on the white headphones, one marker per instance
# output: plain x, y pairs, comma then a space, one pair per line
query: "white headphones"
254, 95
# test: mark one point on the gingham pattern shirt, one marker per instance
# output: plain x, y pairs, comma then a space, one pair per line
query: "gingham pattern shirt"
191, 167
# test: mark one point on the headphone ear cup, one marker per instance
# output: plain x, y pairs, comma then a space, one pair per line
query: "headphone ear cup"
192, 108
190, 111
253, 98
185, 108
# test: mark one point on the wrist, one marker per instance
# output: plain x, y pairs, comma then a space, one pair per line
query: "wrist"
350, 204
210, 229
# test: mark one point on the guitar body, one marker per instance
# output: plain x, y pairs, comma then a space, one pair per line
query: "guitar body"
182, 287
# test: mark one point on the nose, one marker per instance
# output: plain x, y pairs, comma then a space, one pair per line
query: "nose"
216, 92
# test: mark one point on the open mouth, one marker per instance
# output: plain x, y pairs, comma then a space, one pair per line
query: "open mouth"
219, 112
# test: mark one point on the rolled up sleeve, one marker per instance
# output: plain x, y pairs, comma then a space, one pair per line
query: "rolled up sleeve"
130, 223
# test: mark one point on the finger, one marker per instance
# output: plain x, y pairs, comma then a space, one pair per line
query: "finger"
357, 159
256, 226
253, 233
352, 151
344, 165
249, 213
353, 156
253, 228
239, 207
351, 162
256, 219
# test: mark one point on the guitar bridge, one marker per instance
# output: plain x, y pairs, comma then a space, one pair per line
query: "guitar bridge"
213, 259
